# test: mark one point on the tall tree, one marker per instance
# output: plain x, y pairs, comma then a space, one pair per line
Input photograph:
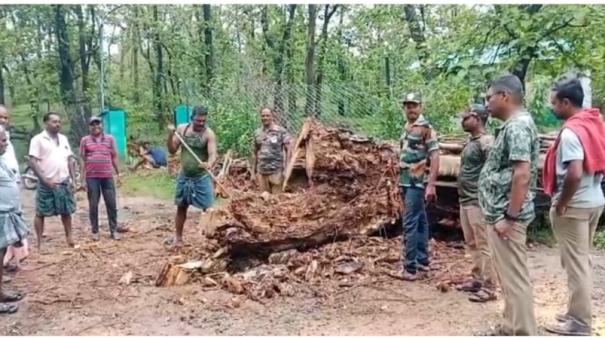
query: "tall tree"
69, 97
278, 50
310, 60
2, 100
209, 48
329, 11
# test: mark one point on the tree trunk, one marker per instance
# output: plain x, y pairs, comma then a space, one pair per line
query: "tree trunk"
291, 83
310, 61
387, 75
66, 77
11, 86
416, 32
85, 49
158, 101
2, 100
342, 69
209, 48
135, 56
322, 54
82, 47
521, 67
279, 56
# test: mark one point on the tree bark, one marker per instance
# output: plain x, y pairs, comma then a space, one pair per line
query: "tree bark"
310, 61
2, 99
342, 69
74, 111
158, 97
82, 47
136, 37
328, 13
279, 56
209, 48
416, 32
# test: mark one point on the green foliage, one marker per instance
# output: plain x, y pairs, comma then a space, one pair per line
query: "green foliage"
599, 240
447, 52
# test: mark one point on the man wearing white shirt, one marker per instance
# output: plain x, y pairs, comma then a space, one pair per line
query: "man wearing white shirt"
52, 160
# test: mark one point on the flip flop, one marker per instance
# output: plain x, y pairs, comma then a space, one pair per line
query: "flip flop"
472, 286
8, 309
6, 280
171, 242
482, 296
12, 297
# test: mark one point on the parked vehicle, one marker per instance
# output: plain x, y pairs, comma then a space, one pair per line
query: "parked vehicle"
30, 180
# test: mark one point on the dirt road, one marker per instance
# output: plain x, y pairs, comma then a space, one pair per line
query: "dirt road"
77, 292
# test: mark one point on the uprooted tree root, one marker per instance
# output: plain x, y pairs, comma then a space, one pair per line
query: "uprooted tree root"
263, 245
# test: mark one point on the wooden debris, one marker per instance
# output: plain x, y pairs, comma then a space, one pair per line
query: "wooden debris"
172, 275
126, 279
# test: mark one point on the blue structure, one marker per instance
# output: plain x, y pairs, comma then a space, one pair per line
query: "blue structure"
114, 123
182, 114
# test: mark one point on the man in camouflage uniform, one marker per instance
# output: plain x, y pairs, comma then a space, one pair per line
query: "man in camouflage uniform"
506, 199
473, 158
271, 150
418, 145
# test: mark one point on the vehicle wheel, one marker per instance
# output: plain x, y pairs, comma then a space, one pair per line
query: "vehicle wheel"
28, 182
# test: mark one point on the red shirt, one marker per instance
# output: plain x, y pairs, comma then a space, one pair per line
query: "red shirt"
97, 154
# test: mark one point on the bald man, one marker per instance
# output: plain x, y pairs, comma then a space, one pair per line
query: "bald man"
9, 156
14, 255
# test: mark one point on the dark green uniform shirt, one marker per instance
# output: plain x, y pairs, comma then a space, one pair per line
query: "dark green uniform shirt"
472, 160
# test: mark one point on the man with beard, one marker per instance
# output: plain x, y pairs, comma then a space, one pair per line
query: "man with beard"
573, 171
271, 151
194, 184
419, 146
473, 158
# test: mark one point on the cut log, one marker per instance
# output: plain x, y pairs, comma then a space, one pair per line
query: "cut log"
309, 160
304, 132
172, 275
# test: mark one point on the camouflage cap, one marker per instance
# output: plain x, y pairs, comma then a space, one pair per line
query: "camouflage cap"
412, 97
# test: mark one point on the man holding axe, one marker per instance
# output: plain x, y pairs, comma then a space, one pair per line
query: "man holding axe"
194, 183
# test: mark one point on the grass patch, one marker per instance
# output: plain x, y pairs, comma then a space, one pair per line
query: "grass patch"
157, 183
599, 240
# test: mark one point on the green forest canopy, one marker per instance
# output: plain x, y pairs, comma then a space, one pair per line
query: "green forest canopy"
346, 64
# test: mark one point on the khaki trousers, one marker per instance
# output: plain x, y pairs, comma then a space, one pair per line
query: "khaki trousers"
510, 261
271, 183
475, 237
574, 232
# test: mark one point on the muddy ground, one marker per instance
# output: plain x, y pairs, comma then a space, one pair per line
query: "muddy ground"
78, 292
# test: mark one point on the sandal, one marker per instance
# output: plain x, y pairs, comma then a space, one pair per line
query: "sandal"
8, 309
472, 286
6, 280
171, 242
11, 297
482, 296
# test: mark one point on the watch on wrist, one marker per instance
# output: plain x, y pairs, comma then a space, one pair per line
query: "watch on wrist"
510, 217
